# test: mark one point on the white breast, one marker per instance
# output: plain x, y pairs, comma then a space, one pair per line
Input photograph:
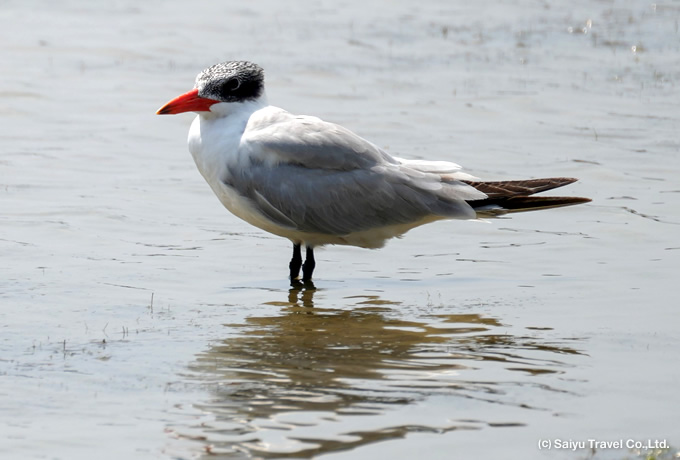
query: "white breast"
214, 141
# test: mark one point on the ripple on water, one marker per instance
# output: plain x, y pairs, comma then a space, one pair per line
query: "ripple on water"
310, 380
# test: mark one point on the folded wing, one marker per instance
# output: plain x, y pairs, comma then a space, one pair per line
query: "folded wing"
318, 177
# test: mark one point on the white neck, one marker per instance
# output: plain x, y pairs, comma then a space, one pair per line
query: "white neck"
225, 109
214, 136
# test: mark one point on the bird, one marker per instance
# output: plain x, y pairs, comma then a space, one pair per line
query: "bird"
317, 183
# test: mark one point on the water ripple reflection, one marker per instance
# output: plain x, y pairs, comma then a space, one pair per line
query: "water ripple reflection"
310, 380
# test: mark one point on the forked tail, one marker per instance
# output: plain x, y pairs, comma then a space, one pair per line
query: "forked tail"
516, 196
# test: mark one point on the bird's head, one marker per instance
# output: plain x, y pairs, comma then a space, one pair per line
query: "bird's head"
231, 81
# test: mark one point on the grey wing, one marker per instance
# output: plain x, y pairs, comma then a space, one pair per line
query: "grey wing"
318, 177
342, 202
309, 141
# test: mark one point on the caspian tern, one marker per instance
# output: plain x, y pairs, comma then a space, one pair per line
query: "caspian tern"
318, 183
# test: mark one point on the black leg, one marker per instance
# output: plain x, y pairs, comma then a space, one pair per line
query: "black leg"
295, 263
308, 266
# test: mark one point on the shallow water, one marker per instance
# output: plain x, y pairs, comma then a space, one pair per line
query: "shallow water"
138, 319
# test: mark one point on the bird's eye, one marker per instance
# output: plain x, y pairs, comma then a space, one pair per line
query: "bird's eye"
229, 86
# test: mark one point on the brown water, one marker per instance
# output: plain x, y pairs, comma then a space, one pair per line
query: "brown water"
138, 319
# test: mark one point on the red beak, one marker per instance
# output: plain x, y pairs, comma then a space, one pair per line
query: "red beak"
187, 102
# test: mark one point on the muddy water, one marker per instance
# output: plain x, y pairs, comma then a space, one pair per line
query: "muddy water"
138, 319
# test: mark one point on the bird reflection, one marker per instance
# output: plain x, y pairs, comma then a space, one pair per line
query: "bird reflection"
357, 361
302, 292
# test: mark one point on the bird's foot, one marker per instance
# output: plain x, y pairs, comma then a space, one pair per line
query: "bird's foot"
302, 284
308, 266
295, 263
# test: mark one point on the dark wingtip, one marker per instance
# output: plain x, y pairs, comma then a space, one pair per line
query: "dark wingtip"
535, 203
553, 200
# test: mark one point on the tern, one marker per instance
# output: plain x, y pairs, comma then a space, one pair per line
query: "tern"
317, 183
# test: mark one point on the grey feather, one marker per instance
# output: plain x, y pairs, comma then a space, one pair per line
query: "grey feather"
311, 142
317, 177
341, 202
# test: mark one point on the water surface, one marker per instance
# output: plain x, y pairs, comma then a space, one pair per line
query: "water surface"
138, 319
